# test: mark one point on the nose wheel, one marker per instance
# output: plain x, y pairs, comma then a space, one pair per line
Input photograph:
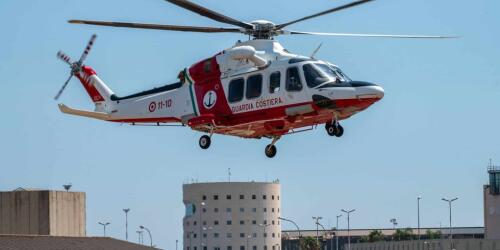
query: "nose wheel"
205, 141
334, 129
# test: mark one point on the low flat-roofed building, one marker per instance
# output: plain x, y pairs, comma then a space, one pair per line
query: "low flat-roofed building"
42, 212
42, 242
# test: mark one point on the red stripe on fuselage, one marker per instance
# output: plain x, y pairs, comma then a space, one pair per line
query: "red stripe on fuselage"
84, 77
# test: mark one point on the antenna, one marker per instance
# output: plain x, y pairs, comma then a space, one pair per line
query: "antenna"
67, 187
316, 51
229, 174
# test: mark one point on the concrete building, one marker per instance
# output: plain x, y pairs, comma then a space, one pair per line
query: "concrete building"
42, 212
491, 199
232, 216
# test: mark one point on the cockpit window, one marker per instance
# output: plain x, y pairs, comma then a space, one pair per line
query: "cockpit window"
317, 74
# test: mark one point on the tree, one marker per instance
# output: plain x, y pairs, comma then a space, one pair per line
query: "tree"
403, 234
433, 234
376, 235
309, 243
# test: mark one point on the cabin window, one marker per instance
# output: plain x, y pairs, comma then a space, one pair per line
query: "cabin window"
293, 82
314, 76
236, 90
254, 86
274, 82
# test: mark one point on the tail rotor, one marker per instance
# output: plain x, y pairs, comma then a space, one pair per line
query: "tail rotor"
75, 66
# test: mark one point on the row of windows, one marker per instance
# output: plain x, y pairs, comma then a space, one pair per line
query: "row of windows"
253, 86
274, 247
230, 222
242, 197
230, 235
242, 209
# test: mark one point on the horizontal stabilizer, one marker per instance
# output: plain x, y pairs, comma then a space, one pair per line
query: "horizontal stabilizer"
85, 113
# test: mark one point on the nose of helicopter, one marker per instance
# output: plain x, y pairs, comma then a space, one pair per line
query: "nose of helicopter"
368, 90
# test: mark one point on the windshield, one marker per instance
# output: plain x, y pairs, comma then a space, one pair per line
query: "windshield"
317, 74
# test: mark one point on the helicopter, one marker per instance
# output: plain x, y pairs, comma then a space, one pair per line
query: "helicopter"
255, 89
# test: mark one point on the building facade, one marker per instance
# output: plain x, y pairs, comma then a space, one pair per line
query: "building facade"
42, 212
232, 216
491, 193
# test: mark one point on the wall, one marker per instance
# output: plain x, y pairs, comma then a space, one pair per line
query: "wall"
461, 244
491, 215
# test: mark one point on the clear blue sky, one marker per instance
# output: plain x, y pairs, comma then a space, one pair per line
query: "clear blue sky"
431, 135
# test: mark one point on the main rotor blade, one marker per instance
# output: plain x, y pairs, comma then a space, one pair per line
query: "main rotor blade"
209, 13
63, 87
364, 35
280, 26
155, 26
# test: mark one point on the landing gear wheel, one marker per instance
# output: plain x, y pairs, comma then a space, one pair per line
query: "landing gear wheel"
339, 131
204, 141
330, 129
270, 151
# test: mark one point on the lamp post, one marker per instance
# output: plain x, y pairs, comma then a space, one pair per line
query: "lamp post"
265, 235
126, 210
336, 233
348, 212
139, 234
298, 229
149, 232
324, 230
201, 224
317, 218
449, 205
418, 216
176, 243
104, 225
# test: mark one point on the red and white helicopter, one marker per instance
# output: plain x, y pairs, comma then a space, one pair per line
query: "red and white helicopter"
254, 89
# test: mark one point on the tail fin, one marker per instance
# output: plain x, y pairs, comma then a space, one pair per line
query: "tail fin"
95, 87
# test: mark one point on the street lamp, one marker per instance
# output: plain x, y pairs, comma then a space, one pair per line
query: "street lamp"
104, 225
394, 223
418, 216
348, 212
324, 230
449, 204
126, 210
336, 233
176, 242
317, 218
149, 232
298, 229
201, 224
139, 234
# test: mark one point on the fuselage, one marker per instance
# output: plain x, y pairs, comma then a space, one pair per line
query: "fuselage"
254, 89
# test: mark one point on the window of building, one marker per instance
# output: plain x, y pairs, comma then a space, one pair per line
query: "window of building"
293, 82
194, 248
216, 235
278, 222
254, 235
272, 209
229, 248
204, 210
216, 248
228, 210
272, 197
278, 210
204, 223
265, 209
187, 223
278, 197
254, 86
216, 222
242, 247
278, 235
236, 88
216, 197
204, 235
228, 197
242, 209
242, 222
229, 235
242, 197
242, 235
265, 222
254, 222
265, 235
265, 247
229, 222
216, 210
254, 196
204, 247
274, 248
194, 223
254, 209
204, 197
264, 197
194, 235
254, 248
274, 82
187, 248
272, 222
273, 235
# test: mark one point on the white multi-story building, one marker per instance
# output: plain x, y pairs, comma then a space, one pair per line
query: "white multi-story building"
232, 216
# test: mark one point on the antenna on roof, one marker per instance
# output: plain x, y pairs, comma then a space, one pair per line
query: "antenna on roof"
67, 187
229, 174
